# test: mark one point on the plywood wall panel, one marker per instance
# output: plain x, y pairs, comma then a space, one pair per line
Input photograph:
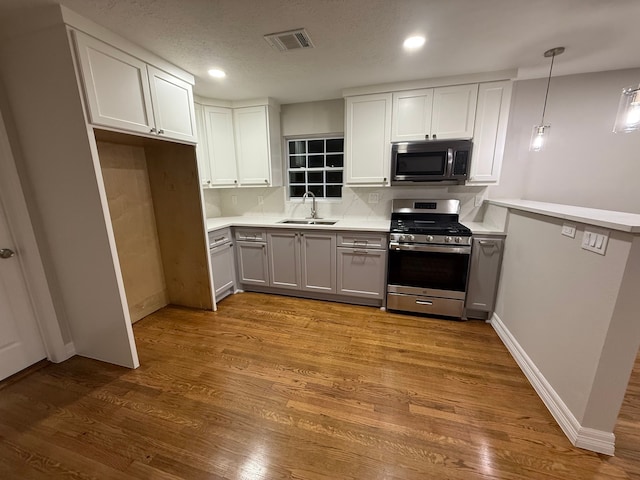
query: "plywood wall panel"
124, 170
177, 201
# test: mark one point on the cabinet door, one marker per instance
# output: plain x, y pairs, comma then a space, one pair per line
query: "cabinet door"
492, 115
484, 273
368, 139
223, 270
116, 86
362, 273
454, 111
252, 145
202, 153
411, 118
221, 145
284, 259
172, 101
253, 268
318, 262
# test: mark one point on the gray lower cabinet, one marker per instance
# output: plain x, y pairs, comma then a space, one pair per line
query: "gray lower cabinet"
362, 264
223, 270
318, 261
284, 259
361, 272
253, 267
484, 273
302, 260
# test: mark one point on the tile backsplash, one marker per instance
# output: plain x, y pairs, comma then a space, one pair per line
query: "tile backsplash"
355, 202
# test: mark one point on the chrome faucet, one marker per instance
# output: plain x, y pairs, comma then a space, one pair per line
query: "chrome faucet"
314, 211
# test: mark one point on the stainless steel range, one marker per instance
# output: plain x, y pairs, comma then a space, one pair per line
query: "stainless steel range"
429, 252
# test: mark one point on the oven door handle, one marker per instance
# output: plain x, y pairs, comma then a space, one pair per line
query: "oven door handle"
429, 248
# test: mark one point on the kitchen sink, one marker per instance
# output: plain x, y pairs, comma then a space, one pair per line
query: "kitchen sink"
308, 221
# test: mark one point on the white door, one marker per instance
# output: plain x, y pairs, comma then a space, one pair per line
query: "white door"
117, 86
172, 101
252, 145
20, 340
221, 145
411, 118
368, 139
454, 111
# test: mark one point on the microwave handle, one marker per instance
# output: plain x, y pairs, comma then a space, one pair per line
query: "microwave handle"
449, 162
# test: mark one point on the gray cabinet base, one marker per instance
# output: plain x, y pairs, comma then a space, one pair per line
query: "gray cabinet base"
331, 297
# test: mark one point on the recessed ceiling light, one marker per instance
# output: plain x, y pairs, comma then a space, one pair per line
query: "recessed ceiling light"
413, 43
217, 73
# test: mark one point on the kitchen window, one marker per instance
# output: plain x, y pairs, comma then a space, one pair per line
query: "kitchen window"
315, 165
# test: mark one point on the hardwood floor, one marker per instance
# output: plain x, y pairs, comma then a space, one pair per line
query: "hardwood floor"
273, 387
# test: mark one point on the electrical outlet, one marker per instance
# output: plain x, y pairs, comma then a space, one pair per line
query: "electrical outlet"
595, 240
260, 200
234, 199
479, 199
568, 230
374, 198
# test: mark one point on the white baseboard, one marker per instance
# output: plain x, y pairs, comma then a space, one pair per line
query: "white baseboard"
70, 350
582, 437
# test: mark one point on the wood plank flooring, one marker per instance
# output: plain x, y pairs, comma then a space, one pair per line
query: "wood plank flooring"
273, 387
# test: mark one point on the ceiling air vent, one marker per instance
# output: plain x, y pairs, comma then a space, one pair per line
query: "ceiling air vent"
291, 40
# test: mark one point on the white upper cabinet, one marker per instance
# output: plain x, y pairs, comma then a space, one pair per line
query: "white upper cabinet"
219, 138
368, 139
258, 146
492, 115
243, 145
125, 93
202, 153
172, 101
434, 113
116, 86
454, 110
412, 115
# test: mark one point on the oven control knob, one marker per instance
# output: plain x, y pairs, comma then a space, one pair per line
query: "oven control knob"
447, 239
402, 238
458, 239
429, 238
411, 238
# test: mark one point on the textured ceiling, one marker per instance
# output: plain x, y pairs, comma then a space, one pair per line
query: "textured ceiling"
359, 42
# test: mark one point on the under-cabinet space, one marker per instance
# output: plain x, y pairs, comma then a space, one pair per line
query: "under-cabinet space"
154, 204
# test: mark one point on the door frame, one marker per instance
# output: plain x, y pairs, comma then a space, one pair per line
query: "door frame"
19, 220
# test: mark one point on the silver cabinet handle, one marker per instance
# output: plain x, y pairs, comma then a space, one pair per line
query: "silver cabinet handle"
6, 253
424, 302
360, 252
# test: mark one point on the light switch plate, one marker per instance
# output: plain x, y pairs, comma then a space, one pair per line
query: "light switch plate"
569, 230
479, 198
260, 200
234, 199
595, 240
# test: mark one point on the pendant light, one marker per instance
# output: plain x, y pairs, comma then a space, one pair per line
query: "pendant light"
541, 132
628, 118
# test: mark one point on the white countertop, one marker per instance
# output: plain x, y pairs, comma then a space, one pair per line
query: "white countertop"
347, 224
623, 221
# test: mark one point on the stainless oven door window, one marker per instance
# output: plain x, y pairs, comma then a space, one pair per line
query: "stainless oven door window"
433, 270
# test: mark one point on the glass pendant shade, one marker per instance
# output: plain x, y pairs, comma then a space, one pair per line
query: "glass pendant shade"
539, 137
628, 118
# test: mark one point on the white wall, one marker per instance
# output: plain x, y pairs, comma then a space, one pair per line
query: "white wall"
574, 314
312, 118
584, 163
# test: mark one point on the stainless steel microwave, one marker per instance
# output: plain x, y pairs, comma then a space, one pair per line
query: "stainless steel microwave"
444, 161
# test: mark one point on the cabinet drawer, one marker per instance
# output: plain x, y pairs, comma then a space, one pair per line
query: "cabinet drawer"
218, 237
363, 240
251, 235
